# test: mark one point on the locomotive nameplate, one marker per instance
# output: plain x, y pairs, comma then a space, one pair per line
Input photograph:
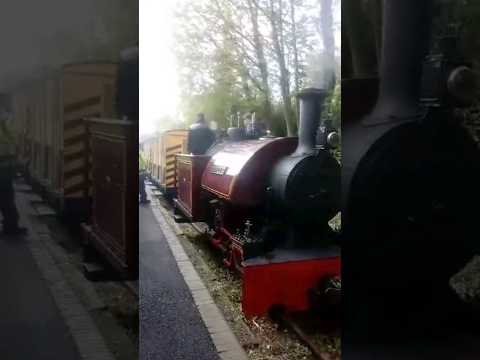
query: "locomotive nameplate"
218, 170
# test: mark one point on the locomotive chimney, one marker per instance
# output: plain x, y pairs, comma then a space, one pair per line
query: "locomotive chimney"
311, 103
406, 26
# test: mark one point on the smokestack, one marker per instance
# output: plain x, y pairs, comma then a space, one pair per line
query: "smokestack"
311, 103
406, 26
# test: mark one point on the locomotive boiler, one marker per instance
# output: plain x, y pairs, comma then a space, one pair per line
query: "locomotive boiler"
410, 176
268, 202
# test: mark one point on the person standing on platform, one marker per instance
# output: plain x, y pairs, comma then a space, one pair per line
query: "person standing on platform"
8, 208
200, 136
141, 179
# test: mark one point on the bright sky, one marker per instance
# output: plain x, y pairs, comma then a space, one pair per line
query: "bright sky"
158, 82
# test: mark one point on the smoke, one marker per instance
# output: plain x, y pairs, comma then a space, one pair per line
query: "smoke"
37, 36
322, 71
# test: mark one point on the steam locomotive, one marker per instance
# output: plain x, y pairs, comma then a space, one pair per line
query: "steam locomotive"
410, 175
268, 201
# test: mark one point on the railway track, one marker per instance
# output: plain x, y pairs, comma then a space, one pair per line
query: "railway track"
299, 328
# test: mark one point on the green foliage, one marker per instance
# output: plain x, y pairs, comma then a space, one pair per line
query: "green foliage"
468, 15
460, 19
333, 107
278, 125
221, 67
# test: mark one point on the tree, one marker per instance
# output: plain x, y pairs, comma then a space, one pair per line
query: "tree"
260, 55
274, 14
249, 55
358, 29
326, 26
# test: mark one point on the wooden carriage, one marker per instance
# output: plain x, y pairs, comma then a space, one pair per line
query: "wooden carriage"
49, 122
160, 152
113, 231
189, 173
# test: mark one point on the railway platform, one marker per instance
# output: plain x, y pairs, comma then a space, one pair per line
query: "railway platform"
42, 314
178, 318
32, 326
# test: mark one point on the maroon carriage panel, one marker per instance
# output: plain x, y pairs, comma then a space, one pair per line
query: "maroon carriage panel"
114, 232
189, 174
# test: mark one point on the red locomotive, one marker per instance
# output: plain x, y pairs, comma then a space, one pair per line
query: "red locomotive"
268, 201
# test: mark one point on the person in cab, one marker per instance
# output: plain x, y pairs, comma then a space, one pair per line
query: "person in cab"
200, 136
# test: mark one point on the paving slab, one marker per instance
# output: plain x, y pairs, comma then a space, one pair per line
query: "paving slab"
211, 315
42, 318
31, 324
171, 327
